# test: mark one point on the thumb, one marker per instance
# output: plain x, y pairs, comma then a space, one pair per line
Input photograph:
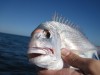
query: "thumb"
74, 60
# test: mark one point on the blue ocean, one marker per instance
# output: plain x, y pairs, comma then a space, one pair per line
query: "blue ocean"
13, 56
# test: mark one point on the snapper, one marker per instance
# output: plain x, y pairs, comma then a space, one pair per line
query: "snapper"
50, 37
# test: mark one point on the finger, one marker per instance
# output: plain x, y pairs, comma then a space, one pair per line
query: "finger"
47, 72
65, 71
84, 64
72, 59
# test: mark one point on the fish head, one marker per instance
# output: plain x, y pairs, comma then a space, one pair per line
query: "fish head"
44, 47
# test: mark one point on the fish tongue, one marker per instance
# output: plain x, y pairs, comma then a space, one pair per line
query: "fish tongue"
33, 55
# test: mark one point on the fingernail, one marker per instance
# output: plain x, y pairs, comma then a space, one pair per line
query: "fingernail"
65, 52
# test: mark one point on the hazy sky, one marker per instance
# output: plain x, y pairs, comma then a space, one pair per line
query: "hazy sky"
23, 16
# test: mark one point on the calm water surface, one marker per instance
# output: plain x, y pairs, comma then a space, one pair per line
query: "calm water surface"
13, 56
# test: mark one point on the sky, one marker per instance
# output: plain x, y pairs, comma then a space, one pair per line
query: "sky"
21, 17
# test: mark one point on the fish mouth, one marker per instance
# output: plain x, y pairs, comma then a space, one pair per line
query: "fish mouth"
33, 55
37, 51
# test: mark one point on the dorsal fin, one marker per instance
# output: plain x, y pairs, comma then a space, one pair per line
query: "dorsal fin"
61, 19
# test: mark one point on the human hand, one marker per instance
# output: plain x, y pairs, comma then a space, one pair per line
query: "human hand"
64, 71
86, 65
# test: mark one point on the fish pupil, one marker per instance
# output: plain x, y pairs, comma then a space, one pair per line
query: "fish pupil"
47, 33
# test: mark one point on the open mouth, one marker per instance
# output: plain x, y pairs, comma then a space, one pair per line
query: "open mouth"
33, 55
37, 51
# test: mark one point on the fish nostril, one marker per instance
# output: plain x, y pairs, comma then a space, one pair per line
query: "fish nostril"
38, 30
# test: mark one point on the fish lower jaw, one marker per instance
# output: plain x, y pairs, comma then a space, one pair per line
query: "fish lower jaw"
47, 62
56, 65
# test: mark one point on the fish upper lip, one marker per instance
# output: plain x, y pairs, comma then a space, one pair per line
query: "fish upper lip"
36, 54
45, 49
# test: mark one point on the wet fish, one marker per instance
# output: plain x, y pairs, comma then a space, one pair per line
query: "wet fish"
50, 37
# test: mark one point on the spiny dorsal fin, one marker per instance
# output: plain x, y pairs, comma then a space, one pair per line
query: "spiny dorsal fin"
61, 19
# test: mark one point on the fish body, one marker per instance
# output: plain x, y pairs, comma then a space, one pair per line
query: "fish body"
50, 37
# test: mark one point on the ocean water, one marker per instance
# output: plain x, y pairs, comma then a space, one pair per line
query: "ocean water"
13, 56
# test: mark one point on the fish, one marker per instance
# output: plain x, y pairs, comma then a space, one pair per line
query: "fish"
50, 37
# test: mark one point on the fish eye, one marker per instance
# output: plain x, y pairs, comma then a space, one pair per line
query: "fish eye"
47, 34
